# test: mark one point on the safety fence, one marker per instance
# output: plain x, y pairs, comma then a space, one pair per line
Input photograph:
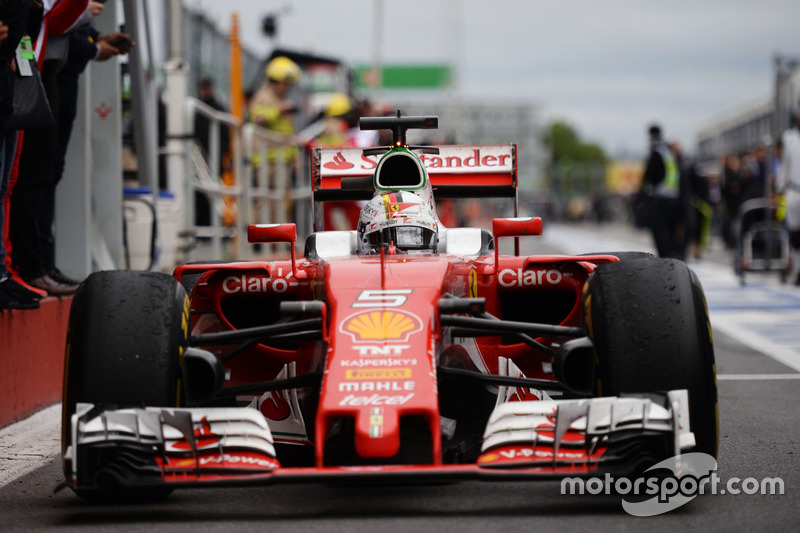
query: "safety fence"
245, 183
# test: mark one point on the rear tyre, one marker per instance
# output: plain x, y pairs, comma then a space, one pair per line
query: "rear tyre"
127, 332
649, 323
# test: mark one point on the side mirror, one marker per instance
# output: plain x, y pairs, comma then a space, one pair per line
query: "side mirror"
258, 233
514, 227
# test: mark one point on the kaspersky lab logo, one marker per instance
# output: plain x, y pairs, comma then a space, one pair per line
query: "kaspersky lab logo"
670, 484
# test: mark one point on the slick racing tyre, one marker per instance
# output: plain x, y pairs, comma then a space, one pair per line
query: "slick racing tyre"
127, 332
648, 320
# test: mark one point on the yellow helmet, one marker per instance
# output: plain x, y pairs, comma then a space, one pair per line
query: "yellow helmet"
338, 105
283, 69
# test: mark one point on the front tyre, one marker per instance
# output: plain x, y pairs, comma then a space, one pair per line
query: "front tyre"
127, 333
649, 323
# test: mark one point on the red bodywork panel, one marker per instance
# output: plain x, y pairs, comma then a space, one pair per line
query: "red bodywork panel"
383, 341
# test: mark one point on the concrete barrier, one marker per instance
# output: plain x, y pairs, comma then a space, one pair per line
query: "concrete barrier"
32, 358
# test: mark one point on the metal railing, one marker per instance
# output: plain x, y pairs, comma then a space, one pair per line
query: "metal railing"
251, 189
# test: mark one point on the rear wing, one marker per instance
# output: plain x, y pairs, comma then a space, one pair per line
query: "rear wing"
463, 171
471, 171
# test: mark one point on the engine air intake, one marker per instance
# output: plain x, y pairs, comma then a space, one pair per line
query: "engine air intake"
399, 170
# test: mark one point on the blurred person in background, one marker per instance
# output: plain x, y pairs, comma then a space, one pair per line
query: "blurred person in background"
272, 109
702, 182
358, 137
685, 223
738, 186
661, 181
206, 93
80, 45
789, 184
337, 116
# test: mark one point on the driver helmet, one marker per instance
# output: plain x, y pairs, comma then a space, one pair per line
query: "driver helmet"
398, 221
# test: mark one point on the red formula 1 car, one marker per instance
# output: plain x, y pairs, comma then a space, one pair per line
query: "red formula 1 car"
401, 351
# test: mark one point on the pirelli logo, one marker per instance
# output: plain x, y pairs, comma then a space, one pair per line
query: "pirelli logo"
378, 373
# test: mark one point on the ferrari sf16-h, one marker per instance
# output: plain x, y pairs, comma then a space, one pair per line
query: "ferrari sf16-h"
400, 351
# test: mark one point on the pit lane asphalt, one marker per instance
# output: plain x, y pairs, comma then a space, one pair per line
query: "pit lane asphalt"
758, 427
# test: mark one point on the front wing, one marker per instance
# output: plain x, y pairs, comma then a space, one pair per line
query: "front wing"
222, 446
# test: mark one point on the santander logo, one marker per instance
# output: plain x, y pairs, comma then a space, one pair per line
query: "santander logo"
473, 159
338, 163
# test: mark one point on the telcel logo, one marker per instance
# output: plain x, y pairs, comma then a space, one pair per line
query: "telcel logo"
375, 399
528, 278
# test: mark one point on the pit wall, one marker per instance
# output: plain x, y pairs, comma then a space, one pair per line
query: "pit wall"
32, 358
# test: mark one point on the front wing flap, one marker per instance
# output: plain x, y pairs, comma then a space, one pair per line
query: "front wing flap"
522, 440
158, 445
579, 436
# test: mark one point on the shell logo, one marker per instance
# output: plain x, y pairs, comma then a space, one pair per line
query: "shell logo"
371, 326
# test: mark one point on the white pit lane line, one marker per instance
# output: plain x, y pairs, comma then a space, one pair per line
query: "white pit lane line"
30, 444
756, 377
773, 334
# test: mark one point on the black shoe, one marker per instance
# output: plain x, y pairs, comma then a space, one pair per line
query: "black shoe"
10, 300
51, 286
20, 291
57, 275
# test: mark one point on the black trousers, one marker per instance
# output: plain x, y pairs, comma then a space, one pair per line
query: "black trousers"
666, 219
34, 190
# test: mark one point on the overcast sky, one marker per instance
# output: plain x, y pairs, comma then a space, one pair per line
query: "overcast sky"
609, 68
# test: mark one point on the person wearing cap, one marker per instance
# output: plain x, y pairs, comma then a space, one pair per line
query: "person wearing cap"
270, 107
335, 122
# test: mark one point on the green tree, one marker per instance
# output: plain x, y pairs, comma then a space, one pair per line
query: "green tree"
568, 148
576, 167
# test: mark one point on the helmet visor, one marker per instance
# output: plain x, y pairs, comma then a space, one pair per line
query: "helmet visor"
405, 238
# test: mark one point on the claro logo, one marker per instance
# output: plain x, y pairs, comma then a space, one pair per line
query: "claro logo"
529, 278
255, 284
